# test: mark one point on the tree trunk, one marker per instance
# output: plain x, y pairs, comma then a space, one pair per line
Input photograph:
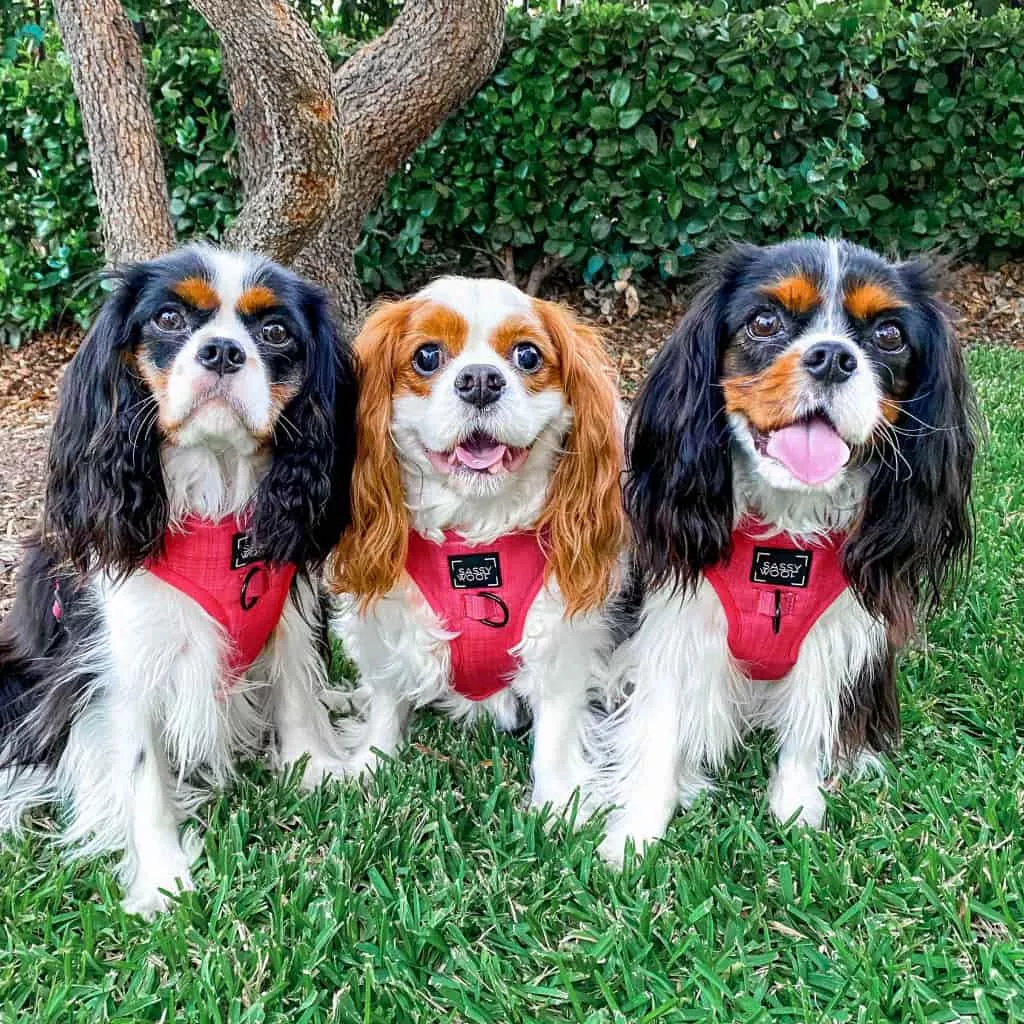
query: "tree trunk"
316, 147
127, 168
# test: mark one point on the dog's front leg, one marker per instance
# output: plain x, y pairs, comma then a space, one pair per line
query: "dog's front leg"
296, 668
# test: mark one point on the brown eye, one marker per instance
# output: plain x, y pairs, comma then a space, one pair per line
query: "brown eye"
889, 337
169, 319
275, 333
764, 324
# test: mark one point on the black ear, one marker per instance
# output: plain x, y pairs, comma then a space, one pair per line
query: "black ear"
303, 504
917, 527
678, 489
106, 506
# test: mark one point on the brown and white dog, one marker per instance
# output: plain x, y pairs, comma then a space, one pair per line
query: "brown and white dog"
799, 477
486, 418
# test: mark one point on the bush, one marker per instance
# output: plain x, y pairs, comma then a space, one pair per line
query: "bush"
611, 137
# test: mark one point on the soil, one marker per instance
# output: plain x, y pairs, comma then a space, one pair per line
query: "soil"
990, 304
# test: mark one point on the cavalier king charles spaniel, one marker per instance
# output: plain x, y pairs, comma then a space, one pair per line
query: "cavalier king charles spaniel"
799, 479
487, 522
168, 618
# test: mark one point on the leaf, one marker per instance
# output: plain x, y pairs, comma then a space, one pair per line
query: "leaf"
619, 93
647, 139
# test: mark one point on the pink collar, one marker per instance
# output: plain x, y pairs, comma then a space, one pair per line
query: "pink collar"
212, 563
773, 591
482, 594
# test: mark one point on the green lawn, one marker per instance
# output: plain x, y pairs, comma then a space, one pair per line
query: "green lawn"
435, 898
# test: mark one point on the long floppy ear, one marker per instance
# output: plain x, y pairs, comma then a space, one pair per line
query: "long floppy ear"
371, 556
678, 487
302, 506
916, 530
106, 505
584, 518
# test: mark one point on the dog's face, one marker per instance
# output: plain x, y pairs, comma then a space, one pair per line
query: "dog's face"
210, 349
822, 346
817, 363
477, 385
487, 395
223, 345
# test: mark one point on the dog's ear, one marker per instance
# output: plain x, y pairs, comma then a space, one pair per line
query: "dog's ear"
303, 504
371, 556
106, 504
915, 531
584, 517
678, 487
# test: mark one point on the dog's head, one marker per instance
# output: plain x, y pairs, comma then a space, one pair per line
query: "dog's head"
202, 349
812, 368
489, 402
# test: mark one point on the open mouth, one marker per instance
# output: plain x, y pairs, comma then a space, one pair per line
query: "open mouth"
479, 454
811, 448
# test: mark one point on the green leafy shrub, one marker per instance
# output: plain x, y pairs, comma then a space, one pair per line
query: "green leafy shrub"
612, 137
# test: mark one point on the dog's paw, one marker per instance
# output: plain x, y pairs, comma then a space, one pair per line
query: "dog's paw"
796, 798
151, 892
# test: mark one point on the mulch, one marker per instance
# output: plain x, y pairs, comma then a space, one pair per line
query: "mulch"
990, 304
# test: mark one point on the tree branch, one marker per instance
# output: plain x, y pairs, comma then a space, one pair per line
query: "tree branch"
127, 168
394, 92
292, 78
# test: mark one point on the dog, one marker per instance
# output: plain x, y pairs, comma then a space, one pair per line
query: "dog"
168, 616
799, 478
487, 523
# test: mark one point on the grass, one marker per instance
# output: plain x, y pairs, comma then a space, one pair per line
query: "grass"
436, 898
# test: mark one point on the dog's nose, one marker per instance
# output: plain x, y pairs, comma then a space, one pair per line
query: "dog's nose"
479, 385
830, 362
221, 356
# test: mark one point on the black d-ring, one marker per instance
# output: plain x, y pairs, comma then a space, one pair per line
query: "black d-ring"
501, 604
247, 602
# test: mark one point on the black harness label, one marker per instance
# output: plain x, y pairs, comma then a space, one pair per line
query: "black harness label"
242, 552
781, 567
470, 572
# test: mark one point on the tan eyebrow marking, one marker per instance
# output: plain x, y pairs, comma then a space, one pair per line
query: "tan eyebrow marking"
867, 300
197, 292
256, 299
798, 293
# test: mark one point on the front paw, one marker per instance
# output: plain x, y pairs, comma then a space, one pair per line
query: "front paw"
799, 799
151, 892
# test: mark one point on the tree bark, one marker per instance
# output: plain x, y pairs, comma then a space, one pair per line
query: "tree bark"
391, 97
316, 147
127, 168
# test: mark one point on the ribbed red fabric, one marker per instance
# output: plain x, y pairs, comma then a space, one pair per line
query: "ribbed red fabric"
773, 591
482, 593
209, 562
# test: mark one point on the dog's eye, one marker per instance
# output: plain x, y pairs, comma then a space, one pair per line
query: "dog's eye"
169, 319
889, 337
526, 356
274, 333
764, 324
427, 359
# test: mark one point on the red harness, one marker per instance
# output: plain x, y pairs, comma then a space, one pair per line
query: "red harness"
481, 593
212, 564
773, 591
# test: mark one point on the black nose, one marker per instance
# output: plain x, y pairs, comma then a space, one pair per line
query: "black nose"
479, 385
221, 356
830, 362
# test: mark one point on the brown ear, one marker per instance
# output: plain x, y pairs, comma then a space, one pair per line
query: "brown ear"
584, 515
369, 560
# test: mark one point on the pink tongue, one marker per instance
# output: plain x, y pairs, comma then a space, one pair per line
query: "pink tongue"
813, 452
480, 456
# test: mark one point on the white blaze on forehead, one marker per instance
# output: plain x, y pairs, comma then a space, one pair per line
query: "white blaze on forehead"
484, 303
